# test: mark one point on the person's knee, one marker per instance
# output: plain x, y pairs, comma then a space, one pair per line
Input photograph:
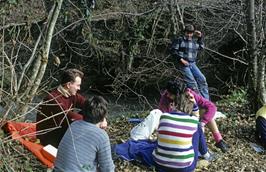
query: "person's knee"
192, 84
202, 81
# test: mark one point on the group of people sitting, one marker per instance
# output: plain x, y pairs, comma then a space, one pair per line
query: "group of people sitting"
83, 144
75, 125
180, 129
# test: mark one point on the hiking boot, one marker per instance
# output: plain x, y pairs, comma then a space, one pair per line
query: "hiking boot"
222, 145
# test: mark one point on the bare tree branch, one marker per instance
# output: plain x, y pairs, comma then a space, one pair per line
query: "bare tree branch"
231, 58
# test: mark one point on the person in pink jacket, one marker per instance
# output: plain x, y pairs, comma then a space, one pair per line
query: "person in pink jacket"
173, 88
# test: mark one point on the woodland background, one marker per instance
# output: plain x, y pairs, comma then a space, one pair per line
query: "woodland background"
123, 49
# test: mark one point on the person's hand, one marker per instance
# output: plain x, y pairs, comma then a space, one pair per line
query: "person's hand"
184, 62
191, 97
103, 124
198, 33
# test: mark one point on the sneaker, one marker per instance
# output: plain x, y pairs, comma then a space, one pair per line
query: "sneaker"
212, 157
222, 145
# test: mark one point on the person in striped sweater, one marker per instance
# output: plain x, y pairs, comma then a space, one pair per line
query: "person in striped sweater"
180, 138
206, 118
85, 146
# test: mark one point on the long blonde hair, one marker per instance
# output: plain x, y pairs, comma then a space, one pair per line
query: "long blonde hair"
183, 103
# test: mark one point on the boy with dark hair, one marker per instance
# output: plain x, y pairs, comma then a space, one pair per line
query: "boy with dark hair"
85, 146
56, 112
185, 50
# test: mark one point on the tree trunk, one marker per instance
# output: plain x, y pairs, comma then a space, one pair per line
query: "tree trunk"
261, 59
261, 81
40, 64
252, 58
256, 89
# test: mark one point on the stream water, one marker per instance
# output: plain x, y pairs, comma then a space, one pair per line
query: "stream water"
117, 106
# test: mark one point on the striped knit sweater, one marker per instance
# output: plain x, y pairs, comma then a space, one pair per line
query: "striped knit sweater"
84, 148
175, 133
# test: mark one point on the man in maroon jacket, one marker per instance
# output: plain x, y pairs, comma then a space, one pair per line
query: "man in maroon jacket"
57, 110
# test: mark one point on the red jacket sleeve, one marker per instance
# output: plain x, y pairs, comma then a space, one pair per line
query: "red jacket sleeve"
72, 116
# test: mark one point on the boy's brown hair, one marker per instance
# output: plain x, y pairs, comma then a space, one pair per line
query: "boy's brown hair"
70, 75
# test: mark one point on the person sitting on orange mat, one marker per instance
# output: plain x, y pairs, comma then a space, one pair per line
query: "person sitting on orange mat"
57, 110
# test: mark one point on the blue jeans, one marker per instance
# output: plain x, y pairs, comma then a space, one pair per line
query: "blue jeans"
195, 79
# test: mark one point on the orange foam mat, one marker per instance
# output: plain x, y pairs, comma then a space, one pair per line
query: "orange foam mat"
25, 133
